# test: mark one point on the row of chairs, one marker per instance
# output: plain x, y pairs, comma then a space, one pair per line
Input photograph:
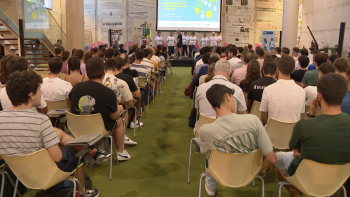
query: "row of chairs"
45, 174
309, 178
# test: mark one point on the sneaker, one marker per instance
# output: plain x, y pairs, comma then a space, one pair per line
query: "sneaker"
210, 193
100, 156
123, 156
133, 125
128, 141
92, 193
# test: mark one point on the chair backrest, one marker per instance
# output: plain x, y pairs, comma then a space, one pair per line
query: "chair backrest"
279, 133
255, 109
57, 105
42, 73
63, 75
142, 82
202, 121
298, 83
85, 124
234, 169
161, 64
317, 179
36, 170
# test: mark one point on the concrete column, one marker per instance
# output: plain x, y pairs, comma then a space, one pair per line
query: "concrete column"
75, 24
290, 23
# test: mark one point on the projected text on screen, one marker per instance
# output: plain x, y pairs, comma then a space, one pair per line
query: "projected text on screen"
196, 15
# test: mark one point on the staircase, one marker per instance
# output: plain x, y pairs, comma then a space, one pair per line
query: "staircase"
37, 48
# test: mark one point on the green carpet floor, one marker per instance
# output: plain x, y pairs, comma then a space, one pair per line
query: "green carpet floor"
158, 164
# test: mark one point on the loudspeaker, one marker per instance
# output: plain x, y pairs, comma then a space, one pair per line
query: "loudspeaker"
341, 38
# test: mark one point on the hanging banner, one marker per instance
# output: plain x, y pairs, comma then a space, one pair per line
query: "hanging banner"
268, 40
115, 37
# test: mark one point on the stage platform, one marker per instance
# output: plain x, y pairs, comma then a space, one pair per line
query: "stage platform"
184, 62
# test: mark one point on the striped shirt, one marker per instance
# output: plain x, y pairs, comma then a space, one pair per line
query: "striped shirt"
148, 64
142, 71
23, 132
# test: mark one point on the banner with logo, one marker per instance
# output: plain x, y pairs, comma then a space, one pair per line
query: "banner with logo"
268, 40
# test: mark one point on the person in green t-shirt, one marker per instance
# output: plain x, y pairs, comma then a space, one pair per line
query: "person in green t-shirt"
325, 138
232, 133
310, 77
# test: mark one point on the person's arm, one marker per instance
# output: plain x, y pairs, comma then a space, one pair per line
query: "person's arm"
137, 93
55, 153
242, 112
116, 114
264, 107
304, 80
313, 107
128, 103
264, 116
269, 162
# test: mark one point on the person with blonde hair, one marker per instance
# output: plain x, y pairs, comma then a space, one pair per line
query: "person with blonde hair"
155, 59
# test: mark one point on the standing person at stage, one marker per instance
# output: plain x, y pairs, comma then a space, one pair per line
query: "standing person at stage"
159, 39
185, 40
204, 41
192, 42
213, 40
171, 43
219, 39
179, 44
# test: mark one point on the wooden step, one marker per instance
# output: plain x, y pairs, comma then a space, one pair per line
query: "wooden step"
33, 44
36, 49
5, 30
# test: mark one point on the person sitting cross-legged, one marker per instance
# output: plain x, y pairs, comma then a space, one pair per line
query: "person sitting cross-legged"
234, 133
323, 139
99, 99
24, 132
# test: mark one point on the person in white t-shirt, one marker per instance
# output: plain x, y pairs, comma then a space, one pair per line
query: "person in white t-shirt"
185, 40
213, 40
53, 88
159, 39
12, 64
219, 39
171, 43
192, 42
283, 100
204, 41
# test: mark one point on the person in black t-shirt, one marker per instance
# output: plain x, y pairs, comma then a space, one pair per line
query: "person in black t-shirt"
135, 89
257, 87
298, 75
179, 43
126, 67
91, 97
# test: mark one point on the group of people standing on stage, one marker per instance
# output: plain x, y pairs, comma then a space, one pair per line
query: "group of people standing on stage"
184, 44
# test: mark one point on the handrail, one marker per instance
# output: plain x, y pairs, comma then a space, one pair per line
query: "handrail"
57, 22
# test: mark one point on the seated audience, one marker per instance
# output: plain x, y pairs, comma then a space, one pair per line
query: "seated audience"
209, 76
295, 53
239, 74
230, 128
109, 54
164, 53
303, 62
257, 87
126, 67
142, 70
120, 88
232, 57
304, 52
273, 53
53, 88
333, 57
223, 53
65, 57
341, 65
204, 70
285, 51
205, 60
121, 49
16, 64
261, 55
323, 139
80, 54
91, 97
278, 52
310, 77
221, 76
134, 89
239, 51
23, 89
155, 59
283, 100
94, 51
132, 55
253, 74
311, 91
75, 77
345, 106
58, 52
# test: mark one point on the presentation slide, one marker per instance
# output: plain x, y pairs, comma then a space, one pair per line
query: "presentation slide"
189, 15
